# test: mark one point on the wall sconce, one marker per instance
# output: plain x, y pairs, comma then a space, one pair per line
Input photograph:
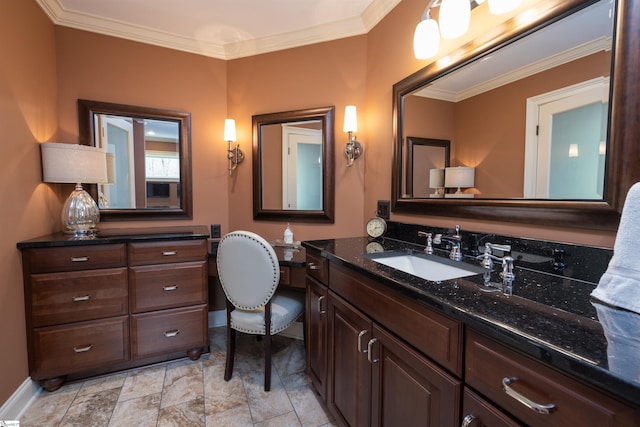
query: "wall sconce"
234, 153
436, 180
454, 16
76, 164
353, 150
459, 177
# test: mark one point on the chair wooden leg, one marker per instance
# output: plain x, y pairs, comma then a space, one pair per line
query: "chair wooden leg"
267, 347
231, 345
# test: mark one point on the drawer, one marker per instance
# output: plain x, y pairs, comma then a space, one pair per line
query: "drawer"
73, 258
317, 267
166, 286
166, 252
477, 412
489, 364
61, 350
78, 295
169, 330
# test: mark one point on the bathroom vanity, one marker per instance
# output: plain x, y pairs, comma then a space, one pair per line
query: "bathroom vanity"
387, 348
122, 299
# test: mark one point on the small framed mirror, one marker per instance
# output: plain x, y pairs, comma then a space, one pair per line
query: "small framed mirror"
427, 159
148, 159
293, 171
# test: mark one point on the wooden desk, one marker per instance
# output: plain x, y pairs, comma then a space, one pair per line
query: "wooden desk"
292, 273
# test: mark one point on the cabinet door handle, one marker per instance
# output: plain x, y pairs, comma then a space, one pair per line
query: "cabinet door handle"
466, 421
170, 288
537, 407
83, 349
320, 310
169, 253
170, 334
360, 335
313, 266
370, 350
79, 259
82, 298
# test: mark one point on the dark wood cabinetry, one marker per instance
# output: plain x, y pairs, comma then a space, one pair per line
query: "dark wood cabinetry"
100, 307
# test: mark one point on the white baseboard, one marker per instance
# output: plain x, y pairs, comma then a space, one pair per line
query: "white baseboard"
20, 400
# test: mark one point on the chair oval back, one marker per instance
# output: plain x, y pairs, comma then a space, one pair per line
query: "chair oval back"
248, 269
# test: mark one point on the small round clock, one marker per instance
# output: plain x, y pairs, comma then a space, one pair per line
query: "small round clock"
374, 247
376, 227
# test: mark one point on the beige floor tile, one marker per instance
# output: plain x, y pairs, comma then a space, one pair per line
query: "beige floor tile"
308, 407
143, 382
286, 420
49, 408
91, 410
138, 412
221, 395
182, 383
265, 405
188, 414
95, 385
240, 416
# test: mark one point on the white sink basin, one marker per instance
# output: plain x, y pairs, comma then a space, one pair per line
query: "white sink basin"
428, 267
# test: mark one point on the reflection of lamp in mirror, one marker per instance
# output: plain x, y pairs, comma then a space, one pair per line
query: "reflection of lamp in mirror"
459, 177
234, 153
573, 150
75, 164
353, 150
103, 199
436, 180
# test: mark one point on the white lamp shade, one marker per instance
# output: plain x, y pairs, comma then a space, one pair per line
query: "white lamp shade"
436, 178
573, 150
350, 119
455, 16
459, 177
73, 163
426, 39
230, 130
497, 7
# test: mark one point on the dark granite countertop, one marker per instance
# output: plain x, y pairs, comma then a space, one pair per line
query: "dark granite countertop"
120, 235
549, 317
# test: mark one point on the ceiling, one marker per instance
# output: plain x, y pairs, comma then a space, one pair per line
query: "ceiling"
224, 29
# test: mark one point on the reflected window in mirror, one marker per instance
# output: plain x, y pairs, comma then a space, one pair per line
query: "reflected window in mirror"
293, 173
149, 148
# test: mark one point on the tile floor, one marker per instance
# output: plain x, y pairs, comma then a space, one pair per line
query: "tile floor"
192, 393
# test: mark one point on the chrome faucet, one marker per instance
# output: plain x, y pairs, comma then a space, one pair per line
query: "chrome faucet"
429, 248
488, 257
455, 240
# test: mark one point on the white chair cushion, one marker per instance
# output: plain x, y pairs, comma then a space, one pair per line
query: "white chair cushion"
286, 306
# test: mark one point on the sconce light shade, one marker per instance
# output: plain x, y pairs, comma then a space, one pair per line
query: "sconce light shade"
77, 164
426, 39
230, 130
353, 150
459, 177
497, 7
455, 16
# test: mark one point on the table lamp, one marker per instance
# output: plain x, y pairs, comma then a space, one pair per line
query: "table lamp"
436, 180
459, 177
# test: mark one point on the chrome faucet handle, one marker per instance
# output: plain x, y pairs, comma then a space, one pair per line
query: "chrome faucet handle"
429, 248
437, 239
456, 253
487, 257
507, 269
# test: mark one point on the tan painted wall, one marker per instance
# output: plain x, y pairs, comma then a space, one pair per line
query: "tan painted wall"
27, 116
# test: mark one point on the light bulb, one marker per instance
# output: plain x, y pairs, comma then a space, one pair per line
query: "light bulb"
455, 16
426, 39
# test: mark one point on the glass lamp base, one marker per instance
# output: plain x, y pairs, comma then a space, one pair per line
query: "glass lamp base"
80, 213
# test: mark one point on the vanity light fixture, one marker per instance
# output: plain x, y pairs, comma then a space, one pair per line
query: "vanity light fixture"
76, 164
459, 177
454, 17
234, 153
353, 150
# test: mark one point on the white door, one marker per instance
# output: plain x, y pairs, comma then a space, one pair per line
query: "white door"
565, 144
116, 136
301, 168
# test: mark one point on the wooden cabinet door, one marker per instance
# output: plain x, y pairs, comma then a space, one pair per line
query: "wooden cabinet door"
349, 381
316, 312
409, 389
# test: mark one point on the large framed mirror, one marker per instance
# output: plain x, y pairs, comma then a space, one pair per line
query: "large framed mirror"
148, 157
293, 171
577, 58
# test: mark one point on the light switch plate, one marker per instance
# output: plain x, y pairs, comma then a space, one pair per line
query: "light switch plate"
215, 231
384, 208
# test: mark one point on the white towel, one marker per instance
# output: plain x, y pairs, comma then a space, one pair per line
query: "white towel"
620, 284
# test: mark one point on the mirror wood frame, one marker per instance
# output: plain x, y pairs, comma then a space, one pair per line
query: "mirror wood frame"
623, 165
326, 116
412, 142
86, 111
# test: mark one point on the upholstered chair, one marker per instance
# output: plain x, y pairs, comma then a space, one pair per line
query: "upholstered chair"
249, 272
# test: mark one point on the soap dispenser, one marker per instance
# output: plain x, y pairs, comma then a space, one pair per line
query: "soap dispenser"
288, 235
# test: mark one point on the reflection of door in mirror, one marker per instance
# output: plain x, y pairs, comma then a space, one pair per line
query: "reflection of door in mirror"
292, 162
146, 165
566, 142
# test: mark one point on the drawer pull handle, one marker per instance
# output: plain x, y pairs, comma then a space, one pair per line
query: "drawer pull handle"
83, 349
468, 420
360, 335
537, 407
169, 253
320, 310
370, 351
170, 288
82, 298
313, 266
79, 259
170, 334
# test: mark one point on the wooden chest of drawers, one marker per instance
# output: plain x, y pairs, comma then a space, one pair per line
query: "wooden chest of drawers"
105, 307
